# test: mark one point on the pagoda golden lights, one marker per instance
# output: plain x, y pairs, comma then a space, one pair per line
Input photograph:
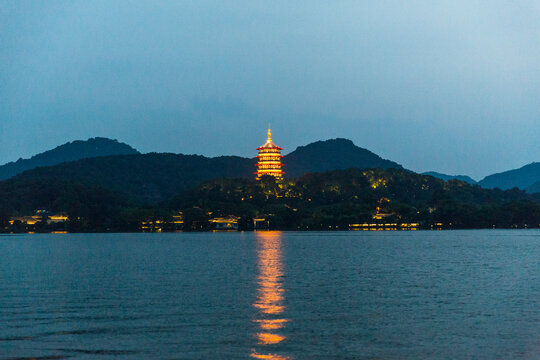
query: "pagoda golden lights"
269, 159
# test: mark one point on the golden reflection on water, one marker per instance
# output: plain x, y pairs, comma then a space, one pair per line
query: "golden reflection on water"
271, 293
269, 356
269, 338
271, 324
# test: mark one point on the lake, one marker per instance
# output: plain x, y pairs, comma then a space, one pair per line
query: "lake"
271, 295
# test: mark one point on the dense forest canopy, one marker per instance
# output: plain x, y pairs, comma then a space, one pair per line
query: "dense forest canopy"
329, 200
339, 198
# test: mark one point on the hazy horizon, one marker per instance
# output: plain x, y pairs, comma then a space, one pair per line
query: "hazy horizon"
451, 88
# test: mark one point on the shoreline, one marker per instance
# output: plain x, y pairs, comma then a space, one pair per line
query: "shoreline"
266, 231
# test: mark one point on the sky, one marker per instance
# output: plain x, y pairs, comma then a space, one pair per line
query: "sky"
450, 86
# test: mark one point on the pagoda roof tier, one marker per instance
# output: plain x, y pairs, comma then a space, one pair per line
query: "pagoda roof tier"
269, 145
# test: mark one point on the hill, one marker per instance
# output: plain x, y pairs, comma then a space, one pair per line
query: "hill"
156, 177
339, 198
334, 154
330, 200
148, 178
68, 152
534, 188
446, 177
522, 178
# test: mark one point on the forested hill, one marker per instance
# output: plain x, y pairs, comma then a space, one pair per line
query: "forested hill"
339, 198
330, 200
146, 178
68, 152
534, 188
156, 177
333, 154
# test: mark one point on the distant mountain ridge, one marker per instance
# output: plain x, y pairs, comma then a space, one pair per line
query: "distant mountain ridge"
97, 161
523, 178
446, 177
71, 151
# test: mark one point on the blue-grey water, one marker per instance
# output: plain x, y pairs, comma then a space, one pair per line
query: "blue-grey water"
271, 295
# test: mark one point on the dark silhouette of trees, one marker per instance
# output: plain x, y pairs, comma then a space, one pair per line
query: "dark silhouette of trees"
330, 200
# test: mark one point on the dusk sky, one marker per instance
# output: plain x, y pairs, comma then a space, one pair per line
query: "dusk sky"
450, 86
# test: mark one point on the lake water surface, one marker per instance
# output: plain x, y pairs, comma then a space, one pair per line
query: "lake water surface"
271, 295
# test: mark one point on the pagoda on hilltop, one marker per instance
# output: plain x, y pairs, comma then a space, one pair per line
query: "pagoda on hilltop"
269, 159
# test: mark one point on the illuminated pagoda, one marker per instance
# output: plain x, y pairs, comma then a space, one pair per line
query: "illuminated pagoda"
269, 159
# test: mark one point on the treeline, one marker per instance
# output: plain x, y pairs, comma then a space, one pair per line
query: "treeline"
334, 200
331, 200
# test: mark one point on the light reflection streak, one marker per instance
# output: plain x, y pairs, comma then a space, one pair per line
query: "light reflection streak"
269, 356
271, 324
271, 293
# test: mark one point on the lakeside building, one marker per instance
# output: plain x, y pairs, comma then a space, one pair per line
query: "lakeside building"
57, 218
225, 223
269, 159
151, 225
385, 226
40, 215
25, 220
261, 223
175, 223
41, 221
